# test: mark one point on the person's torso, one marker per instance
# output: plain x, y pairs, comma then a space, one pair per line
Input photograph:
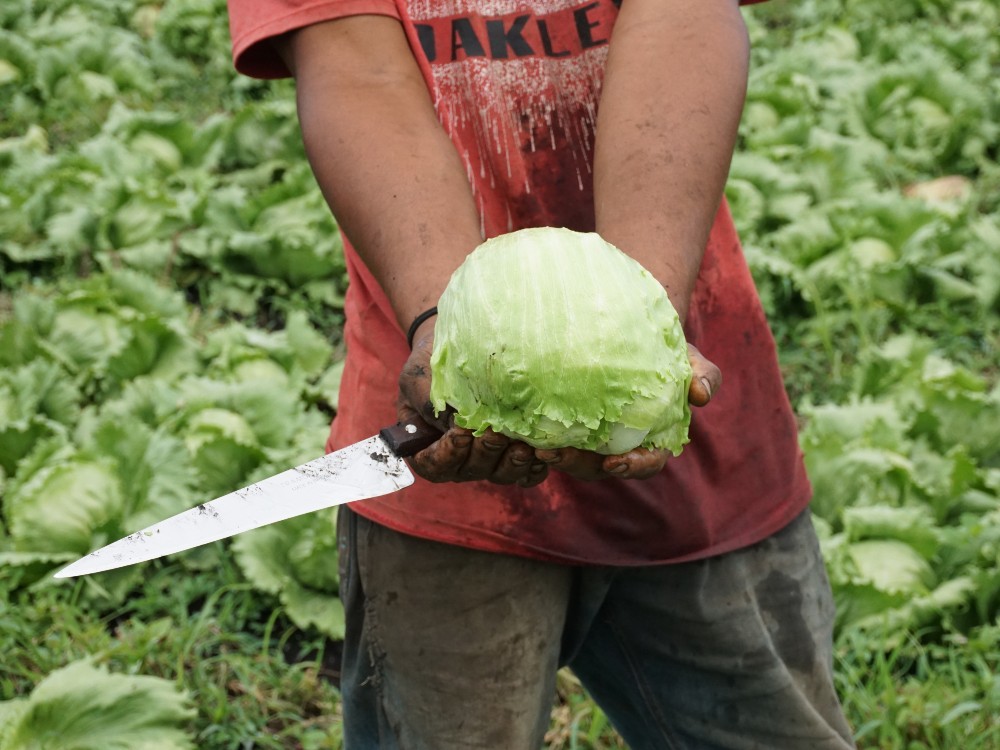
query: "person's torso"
517, 85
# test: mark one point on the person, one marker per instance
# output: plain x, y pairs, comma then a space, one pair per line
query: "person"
687, 594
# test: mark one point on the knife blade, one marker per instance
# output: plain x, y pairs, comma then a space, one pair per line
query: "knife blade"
369, 468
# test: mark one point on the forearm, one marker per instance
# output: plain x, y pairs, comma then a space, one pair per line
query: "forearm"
672, 99
387, 169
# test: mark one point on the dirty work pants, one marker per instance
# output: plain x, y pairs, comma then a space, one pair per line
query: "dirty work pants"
450, 648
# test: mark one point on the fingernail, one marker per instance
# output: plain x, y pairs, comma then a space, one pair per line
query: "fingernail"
537, 467
618, 469
549, 458
707, 386
518, 460
461, 440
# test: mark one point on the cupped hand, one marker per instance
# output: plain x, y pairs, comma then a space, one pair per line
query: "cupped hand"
639, 463
459, 456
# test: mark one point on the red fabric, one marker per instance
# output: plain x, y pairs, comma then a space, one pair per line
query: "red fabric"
518, 91
253, 22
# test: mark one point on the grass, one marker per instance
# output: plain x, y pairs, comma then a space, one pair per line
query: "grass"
260, 683
578, 723
922, 696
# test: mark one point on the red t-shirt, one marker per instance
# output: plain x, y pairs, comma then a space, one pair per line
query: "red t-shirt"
516, 84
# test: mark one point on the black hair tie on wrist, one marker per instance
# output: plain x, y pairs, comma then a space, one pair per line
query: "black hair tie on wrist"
416, 324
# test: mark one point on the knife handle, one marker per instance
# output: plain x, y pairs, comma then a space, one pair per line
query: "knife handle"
410, 437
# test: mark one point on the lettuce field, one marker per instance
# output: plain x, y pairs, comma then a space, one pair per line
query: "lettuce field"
170, 305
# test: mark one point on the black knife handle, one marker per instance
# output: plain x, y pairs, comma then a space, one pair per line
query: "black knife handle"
410, 437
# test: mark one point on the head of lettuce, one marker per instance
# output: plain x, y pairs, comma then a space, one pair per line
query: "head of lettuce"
559, 339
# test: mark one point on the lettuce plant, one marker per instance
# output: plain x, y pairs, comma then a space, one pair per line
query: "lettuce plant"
83, 707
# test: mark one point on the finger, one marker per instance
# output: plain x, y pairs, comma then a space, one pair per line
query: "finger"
640, 463
415, 390
636, 464
706, 378
537, 473
577, 463
517, 465
414, 393
442, 461
485, 454
699, 392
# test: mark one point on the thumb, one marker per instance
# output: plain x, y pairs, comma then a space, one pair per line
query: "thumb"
706, 378
415, 388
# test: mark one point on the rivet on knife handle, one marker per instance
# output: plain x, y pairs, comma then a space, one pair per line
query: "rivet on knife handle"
407, 438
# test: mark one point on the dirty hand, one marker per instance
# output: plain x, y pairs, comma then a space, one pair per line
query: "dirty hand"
458, 456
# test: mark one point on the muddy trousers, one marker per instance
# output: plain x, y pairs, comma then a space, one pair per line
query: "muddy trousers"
451, 648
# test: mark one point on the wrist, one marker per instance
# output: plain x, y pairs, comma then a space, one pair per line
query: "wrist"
422, 323
675, 269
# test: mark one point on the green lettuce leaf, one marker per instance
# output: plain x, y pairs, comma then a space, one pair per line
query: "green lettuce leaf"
223, 447
558, 338
873, 576
65, 504
83, 707
260, 403
36, 401
914, 525
157, 474
297, 560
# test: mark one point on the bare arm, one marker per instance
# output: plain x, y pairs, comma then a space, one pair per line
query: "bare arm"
673, 95
399, 190
389, 172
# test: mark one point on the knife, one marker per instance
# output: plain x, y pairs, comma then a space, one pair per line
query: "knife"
366, 469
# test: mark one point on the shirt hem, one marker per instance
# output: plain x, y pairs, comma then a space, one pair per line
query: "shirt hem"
791, 509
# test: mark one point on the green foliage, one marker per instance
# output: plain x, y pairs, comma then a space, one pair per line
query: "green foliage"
171, 290
123, 410
297, 560
138, 174
256, 680
922, 696
865, 189
220, 202
82, 707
